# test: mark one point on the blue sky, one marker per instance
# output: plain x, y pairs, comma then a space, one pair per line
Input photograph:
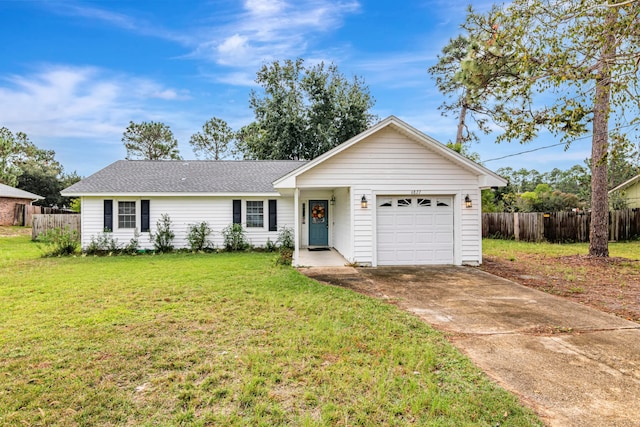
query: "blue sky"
74, 73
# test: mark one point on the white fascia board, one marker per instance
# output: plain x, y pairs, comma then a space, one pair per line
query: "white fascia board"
488, 181
626, 184
285, 182
274, 194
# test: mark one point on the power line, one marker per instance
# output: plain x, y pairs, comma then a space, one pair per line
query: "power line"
550, 146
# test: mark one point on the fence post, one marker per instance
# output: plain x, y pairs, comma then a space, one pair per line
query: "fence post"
516, 226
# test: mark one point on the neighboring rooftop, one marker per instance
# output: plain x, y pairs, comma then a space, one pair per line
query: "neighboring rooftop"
16, 193
626, 184
185, 176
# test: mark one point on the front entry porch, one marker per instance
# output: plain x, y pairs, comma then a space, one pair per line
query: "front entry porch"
321, 258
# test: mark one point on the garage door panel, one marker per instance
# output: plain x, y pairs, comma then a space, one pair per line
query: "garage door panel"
424, 218
442, 238
404, 238
386, 219
424, 237
443, 219
404, 219
386, 238
411, 231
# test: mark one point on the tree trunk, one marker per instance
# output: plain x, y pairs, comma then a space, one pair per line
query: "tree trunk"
599, 233
461, 125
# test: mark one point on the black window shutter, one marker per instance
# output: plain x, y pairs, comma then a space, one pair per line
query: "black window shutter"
273, 215
144, 216
108, 215
237, 211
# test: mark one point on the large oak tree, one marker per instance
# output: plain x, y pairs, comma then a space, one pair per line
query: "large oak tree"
302, 112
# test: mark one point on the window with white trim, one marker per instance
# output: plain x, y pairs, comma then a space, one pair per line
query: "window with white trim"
255, 214
126, 214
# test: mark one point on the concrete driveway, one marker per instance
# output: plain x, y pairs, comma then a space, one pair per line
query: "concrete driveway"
575, 366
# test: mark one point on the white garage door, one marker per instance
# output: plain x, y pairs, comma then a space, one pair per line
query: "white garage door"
414, 230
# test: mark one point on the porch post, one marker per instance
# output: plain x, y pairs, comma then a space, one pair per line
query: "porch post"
296, 228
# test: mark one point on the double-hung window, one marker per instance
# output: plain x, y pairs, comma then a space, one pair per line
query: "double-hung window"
255, 214
126, 214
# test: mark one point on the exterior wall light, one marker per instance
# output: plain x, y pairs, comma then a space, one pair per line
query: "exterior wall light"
467, 201
363, 202
333, 200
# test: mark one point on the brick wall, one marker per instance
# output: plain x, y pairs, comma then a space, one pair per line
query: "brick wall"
8, 207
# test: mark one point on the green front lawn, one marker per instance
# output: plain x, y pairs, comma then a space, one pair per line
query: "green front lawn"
220, 339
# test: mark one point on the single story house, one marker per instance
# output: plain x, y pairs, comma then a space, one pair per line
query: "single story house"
388, 196
9, 198
629, 191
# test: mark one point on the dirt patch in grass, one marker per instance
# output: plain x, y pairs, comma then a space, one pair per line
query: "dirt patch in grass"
608, 284
8, 231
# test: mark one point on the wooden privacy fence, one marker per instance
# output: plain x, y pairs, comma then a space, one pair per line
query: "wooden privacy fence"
558, 227
23, 214
45, 222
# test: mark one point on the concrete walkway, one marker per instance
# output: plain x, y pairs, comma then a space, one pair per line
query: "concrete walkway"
575, 366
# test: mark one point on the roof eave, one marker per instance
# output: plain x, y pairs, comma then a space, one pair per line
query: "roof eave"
171, 194
626, 184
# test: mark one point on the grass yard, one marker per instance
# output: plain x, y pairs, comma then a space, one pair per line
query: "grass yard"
224, 339
511, 248
608, 284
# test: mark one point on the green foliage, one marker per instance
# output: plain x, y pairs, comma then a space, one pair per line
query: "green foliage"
303, 112
617, 201
32, 169
234, 238
75, 205
133, 246
213, 142
489, 202
198, 236
102, 244
543, 199
13, 150
61, 241
286, 238
150, 141
105, 244
567, 69
163, 237
532, 191
285, 256
270, 246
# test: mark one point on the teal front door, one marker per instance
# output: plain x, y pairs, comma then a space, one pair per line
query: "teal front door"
318, 223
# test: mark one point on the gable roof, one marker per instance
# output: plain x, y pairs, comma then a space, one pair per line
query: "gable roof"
16, 193
626, 184
197, 177
487, 177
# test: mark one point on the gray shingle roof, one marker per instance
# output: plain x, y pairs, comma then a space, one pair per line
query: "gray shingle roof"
16, 193
184, 176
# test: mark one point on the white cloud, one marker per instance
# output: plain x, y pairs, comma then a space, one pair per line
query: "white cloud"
119, 20
266, 30
264, 7
65, 101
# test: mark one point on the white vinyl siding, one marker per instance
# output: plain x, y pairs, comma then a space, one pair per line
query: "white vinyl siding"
388, 162
183, 211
